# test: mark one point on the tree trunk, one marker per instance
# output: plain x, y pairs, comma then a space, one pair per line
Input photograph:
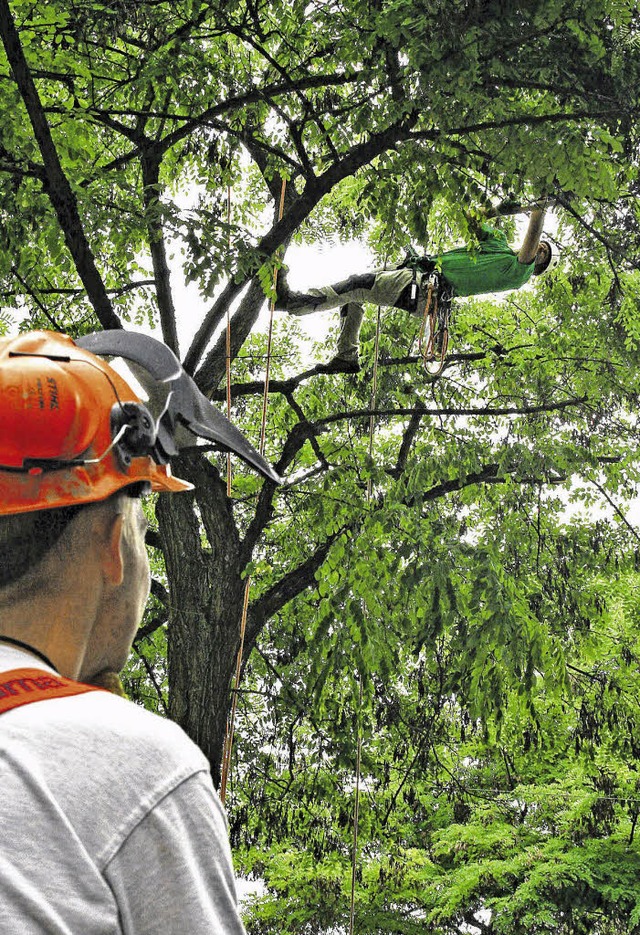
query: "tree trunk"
205, 604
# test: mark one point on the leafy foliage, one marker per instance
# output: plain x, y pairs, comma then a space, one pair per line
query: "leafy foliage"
434, 587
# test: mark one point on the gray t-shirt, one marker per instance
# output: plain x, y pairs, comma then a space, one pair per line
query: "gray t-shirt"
110, 823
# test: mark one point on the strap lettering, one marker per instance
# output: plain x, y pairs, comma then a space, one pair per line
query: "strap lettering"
24, 686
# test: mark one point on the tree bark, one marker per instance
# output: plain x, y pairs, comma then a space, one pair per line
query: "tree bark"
205, 605
151, 182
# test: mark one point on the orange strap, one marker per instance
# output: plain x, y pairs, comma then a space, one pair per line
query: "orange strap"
23, 686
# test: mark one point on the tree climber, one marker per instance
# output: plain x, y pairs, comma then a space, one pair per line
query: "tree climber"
492, 266
109, 817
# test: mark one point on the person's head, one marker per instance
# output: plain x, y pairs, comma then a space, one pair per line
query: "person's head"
77, 449
546, 259
79, 572
114, 536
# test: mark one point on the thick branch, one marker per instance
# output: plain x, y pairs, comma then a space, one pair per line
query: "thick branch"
152, 538
407, 441
150, 628
289, 586
159, 592
524, 120
242, 322
151, 181
315, 189
256, 387
246, 315
454, 411
58, 188
488, 474
122, 290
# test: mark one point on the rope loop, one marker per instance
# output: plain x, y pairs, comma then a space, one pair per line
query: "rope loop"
435, 326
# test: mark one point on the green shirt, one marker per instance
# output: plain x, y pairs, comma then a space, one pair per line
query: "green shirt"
492, 267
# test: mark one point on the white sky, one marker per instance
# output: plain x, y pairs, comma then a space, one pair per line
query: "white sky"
308, 266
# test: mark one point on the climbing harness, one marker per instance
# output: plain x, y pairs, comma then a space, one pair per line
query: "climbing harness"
433, 338
228, 740
431, 298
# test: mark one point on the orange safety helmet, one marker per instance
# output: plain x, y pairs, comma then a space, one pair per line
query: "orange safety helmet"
72, 430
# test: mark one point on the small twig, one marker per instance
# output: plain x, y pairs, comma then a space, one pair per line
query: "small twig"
152, 679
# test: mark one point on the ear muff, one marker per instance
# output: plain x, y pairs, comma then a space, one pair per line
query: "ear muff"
72, 430
133, 431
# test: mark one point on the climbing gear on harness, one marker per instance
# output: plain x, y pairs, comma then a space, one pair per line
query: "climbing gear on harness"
73, 430
418, 262
420, 266
414, 287
433, 338
19, 687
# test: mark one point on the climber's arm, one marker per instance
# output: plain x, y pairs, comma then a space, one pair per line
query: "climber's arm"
531, 242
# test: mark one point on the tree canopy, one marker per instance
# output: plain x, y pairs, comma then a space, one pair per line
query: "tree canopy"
443, 592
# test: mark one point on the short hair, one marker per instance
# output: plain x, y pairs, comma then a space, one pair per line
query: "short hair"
25, 538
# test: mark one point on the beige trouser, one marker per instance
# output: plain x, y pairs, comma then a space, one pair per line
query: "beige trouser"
351, 316
385, 290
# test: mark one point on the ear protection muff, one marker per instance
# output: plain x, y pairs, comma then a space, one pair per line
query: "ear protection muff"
133, 431
73, 431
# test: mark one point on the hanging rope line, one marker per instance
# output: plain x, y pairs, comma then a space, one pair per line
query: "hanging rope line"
356, 804
228, 343
356, 818
272, 305
228, 741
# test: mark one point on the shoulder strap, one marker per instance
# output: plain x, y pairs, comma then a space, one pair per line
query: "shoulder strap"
24, 686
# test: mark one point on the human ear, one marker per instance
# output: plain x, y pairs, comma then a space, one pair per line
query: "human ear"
112, 553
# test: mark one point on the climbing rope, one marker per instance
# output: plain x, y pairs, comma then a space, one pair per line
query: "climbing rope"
356, 817
228, 342
356, 804
228, 741
272, 305
436, 318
